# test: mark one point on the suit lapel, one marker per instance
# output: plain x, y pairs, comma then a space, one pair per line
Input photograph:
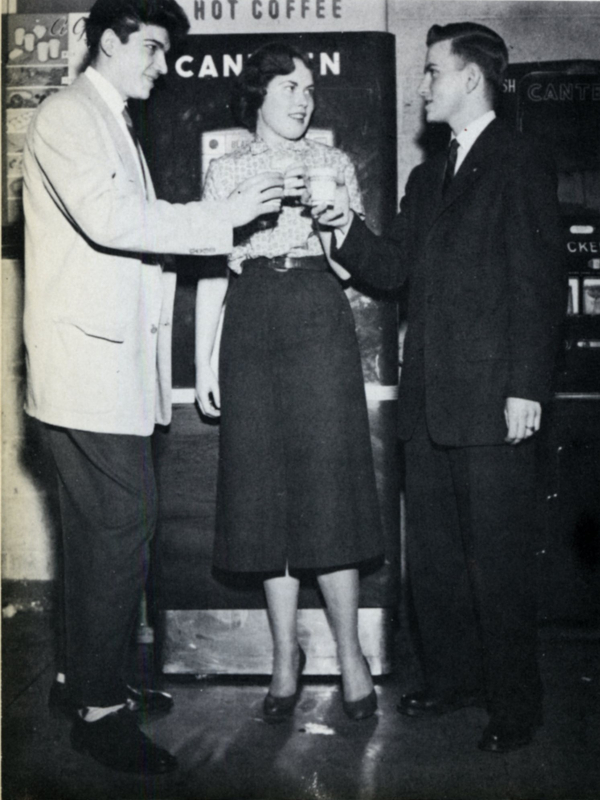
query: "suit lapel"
147, 178
118, 136
478, 160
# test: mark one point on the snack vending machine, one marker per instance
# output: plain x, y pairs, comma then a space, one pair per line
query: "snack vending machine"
559, 104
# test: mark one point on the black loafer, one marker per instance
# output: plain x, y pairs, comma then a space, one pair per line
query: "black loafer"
145, 702
426, 704
278, 709
503, 736
116, 742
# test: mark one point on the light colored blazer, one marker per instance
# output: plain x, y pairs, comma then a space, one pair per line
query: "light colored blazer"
98, 312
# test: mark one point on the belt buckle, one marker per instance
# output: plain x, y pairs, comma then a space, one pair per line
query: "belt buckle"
285, 266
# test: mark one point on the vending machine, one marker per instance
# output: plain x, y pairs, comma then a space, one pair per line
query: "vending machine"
558, 103
217, 623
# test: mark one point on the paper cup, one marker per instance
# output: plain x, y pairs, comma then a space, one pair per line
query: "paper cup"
282, 162
19, 36
54, 48
43, 48
322, 181
29, 42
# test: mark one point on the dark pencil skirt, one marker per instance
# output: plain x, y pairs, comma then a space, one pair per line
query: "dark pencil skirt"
296, 481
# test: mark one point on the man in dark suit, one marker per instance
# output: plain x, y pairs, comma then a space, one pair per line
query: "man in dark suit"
477, 241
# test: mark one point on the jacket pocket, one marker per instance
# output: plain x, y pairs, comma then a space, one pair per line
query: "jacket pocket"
88, 368
97, 328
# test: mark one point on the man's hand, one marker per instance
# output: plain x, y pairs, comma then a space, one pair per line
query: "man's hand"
523, 418
260, 194
338, 217
208, 395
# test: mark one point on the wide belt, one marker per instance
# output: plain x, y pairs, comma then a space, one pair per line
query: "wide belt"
285, 263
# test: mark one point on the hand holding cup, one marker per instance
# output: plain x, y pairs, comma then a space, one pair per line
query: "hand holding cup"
258, 195
337, 214
322, 183
293, 171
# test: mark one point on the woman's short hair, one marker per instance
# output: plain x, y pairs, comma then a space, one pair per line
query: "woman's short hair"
125, 17
249, 90
476, 44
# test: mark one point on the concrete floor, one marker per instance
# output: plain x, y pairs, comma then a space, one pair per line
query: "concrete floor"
226, 751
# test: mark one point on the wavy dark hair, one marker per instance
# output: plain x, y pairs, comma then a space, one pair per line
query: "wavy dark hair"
477, 44
125, 17
249, 90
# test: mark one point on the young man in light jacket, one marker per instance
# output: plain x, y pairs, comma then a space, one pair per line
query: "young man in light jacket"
97, 323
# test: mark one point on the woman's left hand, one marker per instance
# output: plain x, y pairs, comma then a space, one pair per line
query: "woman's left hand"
207, 392
295, 182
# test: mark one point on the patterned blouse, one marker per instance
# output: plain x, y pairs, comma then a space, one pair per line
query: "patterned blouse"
291, 232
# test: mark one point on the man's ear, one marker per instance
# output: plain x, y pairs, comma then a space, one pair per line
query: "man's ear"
108, 42
474, 77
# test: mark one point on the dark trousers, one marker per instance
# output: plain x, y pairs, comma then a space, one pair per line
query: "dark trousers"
471, 538
108, 506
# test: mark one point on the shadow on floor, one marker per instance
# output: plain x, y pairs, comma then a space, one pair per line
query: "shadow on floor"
227, 752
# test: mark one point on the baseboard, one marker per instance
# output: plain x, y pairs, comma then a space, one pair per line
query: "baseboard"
238, 641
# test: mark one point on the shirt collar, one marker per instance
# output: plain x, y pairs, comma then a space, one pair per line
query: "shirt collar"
106, 90
467, 137
257, 146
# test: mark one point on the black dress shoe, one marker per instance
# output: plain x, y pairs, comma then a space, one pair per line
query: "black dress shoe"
145, 702
427, 704
278, 709
149, 702
504, 736
116, 742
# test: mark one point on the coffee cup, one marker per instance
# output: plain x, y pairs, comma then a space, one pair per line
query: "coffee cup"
43, 49
290, 166
322, 183
54, 45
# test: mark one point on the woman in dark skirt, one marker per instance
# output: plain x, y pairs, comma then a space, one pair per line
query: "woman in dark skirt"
296, 487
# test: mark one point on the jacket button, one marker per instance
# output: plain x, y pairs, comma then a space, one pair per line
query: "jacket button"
153, 329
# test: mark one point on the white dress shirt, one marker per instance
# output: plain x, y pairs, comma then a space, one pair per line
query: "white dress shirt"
468, 136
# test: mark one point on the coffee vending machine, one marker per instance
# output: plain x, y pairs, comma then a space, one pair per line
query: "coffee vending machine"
216, 623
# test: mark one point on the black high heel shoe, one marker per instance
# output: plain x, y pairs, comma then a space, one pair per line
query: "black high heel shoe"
363, 708
277, 709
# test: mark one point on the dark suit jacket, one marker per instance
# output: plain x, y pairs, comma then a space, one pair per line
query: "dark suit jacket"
487, 292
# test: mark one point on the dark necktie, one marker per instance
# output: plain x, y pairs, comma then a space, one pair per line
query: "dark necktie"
133, 134
129, 123
450, 165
